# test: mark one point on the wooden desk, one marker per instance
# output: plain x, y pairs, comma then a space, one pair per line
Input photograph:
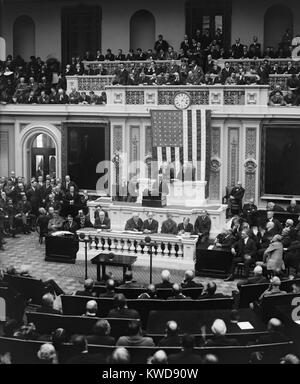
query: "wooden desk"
104, 259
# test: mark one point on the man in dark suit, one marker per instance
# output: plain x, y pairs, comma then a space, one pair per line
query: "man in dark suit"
134, 224
83, 221
165, 280
150, 225
83, 356
101, 334
33, 196
210, 292
188, 354
70, 225
293, 207
121, 75
274, 207
185, 226
219, 335
248, 211
129, 282
88, 289
244, 250
237, 49
224, 240
188, 281
275, 333
68, 183
258, 278
121, 310
172, 338
110, 289
202, 227
101, 221
255, 47
169, 226
72, 201
277, 224
236, 197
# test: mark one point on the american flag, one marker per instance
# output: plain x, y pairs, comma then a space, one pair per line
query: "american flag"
182, 136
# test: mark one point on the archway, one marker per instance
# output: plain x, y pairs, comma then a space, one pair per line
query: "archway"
43, 156
278, 18
142, 30
24, 37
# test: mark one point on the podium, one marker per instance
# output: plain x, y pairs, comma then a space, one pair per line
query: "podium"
154, 201
62, 249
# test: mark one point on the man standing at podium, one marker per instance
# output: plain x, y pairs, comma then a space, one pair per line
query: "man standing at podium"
202, 227
70, 225
134, 224
150, 225
236, 197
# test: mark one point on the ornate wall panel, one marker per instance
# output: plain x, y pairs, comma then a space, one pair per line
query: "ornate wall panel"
215, 164
134, 148
233, 156
250, 163
4, 145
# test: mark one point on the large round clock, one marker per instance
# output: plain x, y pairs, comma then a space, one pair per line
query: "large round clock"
182, 100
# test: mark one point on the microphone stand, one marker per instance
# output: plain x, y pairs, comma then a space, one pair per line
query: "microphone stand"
148, 242
82, 238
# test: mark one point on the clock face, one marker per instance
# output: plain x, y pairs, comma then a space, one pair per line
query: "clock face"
182, 100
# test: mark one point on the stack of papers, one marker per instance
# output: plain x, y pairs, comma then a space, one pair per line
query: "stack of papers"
245, 325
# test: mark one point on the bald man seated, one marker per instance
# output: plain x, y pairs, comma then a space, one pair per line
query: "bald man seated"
165, 280
219, 338
171, 338
91, 309
188, 281
134, 224
275, 333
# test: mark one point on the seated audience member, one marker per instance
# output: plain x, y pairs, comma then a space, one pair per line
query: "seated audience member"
293, 207
88, 289
171, 338
159, 357
25, 271
210, 359
70, 225
121, 310
275, 334
110, 289
273, 255
289, 98
47, 305
210, 292
202, 227
225, 240
83, 220
274, 289
56, 223
26, 332
274, 207
292, 252
150, 225
177, 293
102, 222
244, 250
134, 224
101, 334
165, 280
188, 354
58, 338
149, 294
129, 282
91, 309
135, 337
47, 354
248, 210
188, 281
169, 226
82, 353
119, 356
219, 335
290, 359
185, 226
258, 277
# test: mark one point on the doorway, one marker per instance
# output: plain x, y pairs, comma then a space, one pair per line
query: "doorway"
142, 30
81, 31
209, 15
43, 156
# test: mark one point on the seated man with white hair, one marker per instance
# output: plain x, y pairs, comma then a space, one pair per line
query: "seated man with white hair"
119, 356
91, 309
171, 338
47, 354
159, 357
258, 277
102, 221
274, 288
165, 280
275, 334
47, 305
134, 224
219, 330
188, 281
